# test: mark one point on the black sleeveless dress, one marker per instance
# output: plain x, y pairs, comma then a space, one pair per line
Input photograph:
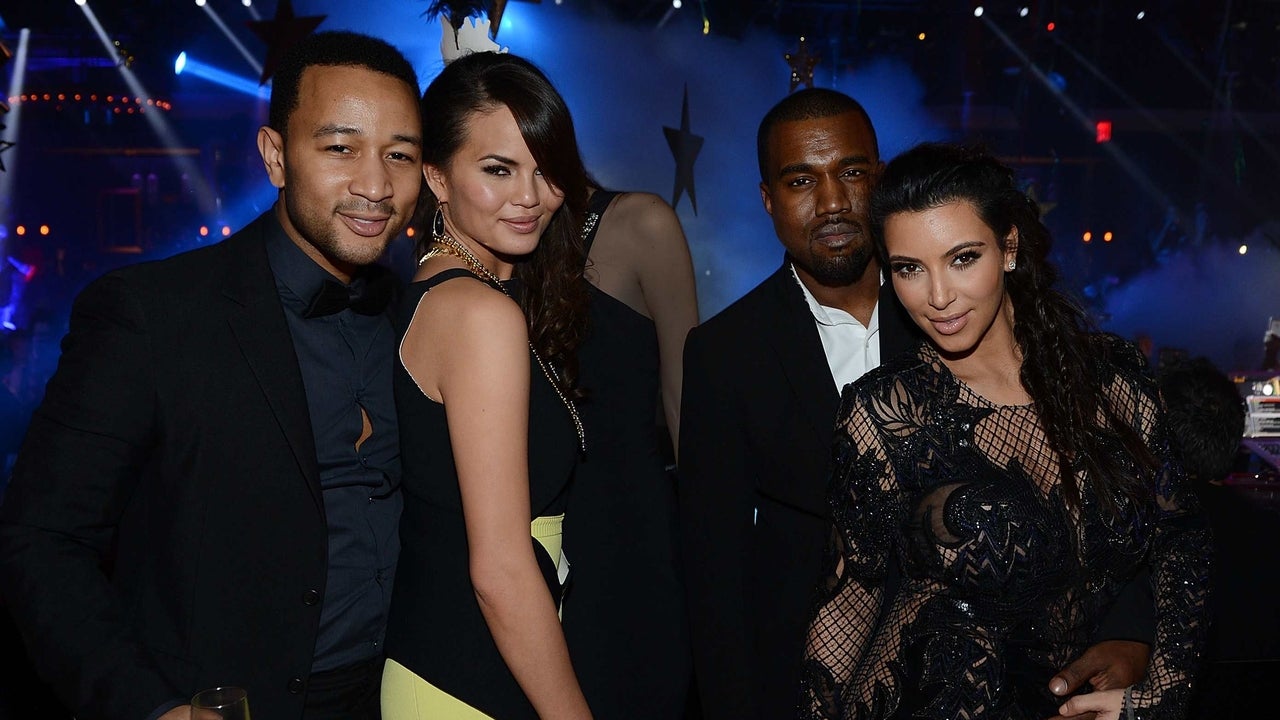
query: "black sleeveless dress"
435, 627
624, 616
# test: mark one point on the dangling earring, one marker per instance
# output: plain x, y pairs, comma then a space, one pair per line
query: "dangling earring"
437, 225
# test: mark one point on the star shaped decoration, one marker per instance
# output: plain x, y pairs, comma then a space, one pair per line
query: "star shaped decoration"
802, 64
281, 33
4, 145
495, 17
685, 146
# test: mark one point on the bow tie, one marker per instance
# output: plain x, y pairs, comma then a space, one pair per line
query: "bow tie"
370, 298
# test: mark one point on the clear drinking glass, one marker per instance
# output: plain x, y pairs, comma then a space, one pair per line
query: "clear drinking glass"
220, 703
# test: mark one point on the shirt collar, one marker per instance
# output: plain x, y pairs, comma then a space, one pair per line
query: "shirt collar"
830, 316
298, 277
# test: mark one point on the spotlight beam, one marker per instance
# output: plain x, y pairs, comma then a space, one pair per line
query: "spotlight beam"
244, 51
1209, 170
1086, 123
204, 195
218, 76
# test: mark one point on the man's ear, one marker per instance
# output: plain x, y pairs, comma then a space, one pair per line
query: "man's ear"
271, 148
436, 181
766, 199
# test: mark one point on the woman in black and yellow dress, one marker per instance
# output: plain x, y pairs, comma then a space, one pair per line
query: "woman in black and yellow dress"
486, 389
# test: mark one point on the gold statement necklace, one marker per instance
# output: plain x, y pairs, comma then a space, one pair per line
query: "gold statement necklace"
444, 244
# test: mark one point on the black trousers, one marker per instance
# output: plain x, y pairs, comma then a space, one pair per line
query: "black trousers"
353, 692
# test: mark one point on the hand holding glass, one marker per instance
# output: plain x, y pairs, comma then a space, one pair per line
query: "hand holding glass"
222, 703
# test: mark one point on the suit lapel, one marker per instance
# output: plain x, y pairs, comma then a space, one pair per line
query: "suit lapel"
794, 337
258, 323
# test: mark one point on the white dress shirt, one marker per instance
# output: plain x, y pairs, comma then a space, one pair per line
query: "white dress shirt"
851, 348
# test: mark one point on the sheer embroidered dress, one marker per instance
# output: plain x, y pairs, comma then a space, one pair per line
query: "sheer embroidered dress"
998, 584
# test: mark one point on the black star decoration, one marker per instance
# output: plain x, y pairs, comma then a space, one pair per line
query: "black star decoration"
495, 17
685, 147
281, 33
802, 64
4, 145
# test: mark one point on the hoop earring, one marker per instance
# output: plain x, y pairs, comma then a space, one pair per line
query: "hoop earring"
437, 224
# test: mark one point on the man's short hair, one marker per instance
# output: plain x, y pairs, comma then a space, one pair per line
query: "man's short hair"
333, 48
806, 104
1206, 417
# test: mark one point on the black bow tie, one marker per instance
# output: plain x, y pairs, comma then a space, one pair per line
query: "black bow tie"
369, 298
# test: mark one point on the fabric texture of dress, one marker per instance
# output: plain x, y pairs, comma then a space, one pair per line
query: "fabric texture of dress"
436, 628
1001, 583
624, 615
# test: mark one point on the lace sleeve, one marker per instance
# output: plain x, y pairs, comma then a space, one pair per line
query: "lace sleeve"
867, 512
1181, 556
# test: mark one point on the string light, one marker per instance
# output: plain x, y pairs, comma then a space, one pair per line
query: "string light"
63, 97
1087, 237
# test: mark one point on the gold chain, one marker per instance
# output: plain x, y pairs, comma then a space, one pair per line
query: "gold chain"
446, 245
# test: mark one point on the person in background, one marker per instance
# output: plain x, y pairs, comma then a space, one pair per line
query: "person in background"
1242, 661
1012, 513
208, 494
486, 390
624, 618
1270, 350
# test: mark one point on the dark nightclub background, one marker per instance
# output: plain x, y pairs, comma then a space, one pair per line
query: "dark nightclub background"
1147, 130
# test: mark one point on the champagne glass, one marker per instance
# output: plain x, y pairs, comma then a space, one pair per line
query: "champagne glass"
220, 703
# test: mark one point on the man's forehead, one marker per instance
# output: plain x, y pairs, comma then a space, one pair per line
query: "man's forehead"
847, 134
328, 93
353, 81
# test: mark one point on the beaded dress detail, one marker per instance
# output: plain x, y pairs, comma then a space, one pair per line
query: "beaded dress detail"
998, 584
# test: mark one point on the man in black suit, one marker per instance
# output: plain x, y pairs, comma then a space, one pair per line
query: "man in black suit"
762, 383
207, 494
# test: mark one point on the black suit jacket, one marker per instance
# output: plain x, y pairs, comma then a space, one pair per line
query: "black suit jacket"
164, 530
757, 424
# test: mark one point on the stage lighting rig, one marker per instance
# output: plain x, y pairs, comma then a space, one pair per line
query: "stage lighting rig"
124, 54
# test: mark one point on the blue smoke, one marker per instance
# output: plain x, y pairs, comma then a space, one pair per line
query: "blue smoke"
1209, 301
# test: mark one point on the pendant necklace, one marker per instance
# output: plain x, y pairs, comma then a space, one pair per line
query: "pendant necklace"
445, 244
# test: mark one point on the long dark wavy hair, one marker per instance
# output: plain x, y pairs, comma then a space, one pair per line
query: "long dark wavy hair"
1061, 368
555, 296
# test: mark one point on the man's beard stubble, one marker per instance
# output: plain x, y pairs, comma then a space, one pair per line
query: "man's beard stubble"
840, 271
318, 230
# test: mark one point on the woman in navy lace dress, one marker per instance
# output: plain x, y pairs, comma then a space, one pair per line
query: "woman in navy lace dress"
993, 490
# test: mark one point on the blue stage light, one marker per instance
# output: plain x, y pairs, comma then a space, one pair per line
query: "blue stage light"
180, 64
